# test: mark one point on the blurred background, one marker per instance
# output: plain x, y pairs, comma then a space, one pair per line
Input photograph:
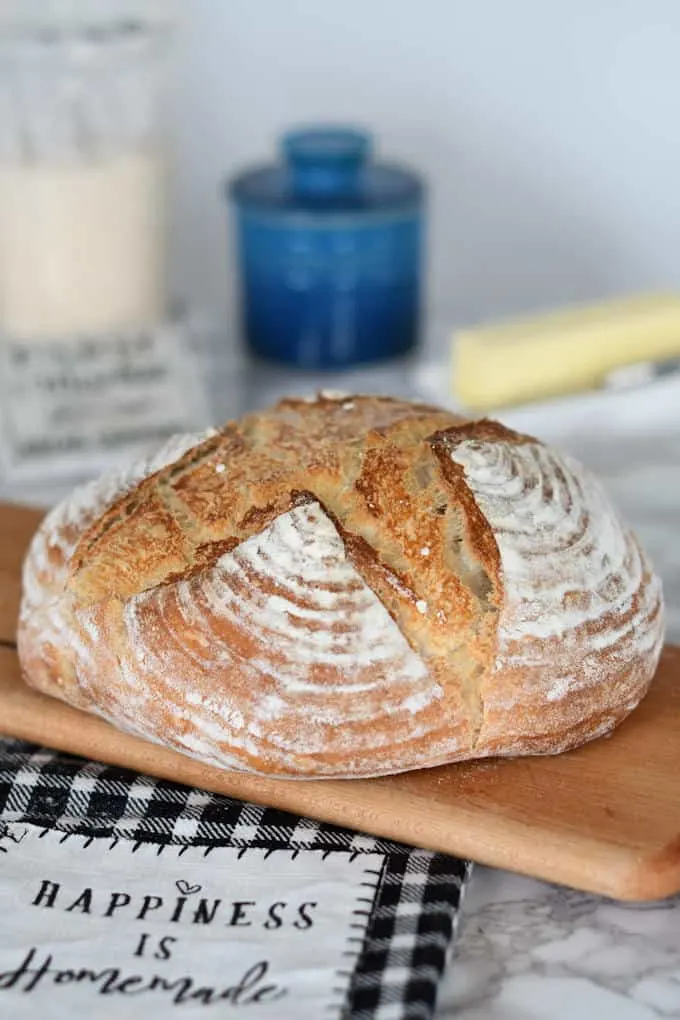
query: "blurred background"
545, 132
205, 205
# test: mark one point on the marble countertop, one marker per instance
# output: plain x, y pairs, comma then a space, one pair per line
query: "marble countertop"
532, 951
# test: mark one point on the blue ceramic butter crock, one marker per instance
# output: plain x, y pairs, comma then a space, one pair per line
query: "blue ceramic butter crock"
329, 249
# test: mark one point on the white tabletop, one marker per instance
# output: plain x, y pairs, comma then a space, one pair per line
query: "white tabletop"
532, 951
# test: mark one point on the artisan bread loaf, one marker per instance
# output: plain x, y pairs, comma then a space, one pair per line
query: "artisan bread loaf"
345, 586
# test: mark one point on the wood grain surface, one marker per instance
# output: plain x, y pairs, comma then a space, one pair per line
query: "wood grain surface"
604, 818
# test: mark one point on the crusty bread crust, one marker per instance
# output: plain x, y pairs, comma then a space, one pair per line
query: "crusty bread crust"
345, 586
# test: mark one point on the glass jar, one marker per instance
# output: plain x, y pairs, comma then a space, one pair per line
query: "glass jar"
94, 368
82, 168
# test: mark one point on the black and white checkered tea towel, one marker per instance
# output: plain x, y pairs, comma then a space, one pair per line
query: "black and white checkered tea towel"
279, 878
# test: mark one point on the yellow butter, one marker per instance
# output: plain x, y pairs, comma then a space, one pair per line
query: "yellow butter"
560, 352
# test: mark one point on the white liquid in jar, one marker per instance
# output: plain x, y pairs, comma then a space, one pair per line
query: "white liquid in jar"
82, 246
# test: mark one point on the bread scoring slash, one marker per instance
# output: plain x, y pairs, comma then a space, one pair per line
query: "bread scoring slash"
348, 587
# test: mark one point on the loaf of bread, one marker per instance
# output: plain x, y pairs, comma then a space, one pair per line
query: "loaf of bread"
344, 586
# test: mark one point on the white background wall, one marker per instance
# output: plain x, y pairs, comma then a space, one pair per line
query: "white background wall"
548, 130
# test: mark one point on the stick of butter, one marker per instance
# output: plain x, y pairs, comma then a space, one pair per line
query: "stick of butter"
564, 351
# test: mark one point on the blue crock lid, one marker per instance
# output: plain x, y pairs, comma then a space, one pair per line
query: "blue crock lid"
326, 170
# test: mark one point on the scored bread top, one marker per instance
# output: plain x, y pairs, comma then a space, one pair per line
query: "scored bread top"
451, 587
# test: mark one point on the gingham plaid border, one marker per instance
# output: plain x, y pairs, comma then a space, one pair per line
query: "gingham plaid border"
414, 915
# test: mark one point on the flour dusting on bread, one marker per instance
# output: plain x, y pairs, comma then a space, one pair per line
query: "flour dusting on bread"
324, 658
344, 586
580, 596
62, 527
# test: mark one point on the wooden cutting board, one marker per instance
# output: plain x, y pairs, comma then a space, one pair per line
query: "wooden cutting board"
604, 818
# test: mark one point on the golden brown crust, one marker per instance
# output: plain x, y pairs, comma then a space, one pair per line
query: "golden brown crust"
196, 597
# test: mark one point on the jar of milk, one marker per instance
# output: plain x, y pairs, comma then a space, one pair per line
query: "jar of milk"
82, 173
90, 356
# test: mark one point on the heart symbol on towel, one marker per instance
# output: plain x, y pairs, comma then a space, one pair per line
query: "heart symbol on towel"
185, 888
